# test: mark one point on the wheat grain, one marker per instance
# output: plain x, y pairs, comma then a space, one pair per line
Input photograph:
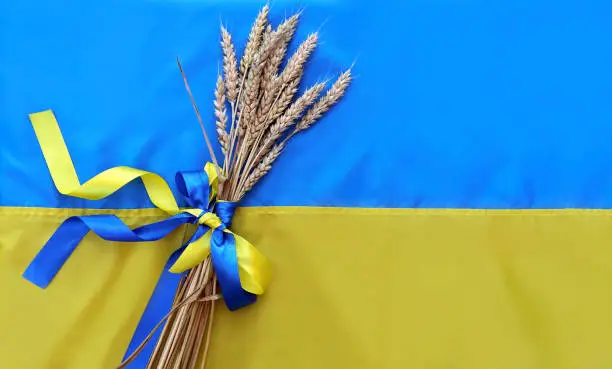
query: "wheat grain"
230, 67
267, 32
330, 98
255, 38
221, 115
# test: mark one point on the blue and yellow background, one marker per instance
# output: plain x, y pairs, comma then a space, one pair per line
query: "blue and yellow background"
453, 211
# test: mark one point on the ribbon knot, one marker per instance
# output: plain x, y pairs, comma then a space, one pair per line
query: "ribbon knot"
210, 219
220, 219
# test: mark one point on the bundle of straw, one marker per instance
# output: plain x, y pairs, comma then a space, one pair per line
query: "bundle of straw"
263, 116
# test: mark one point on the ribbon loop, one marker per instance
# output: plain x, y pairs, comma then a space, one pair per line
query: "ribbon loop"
195, 187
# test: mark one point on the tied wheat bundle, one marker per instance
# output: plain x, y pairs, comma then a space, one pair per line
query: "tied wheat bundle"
257, 113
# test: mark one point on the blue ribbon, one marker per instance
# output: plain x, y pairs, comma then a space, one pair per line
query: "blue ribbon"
194, 186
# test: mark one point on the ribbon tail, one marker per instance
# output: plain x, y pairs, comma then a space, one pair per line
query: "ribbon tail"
102, 185
253, 267
57, 250
225, 262
197, 250
63, 242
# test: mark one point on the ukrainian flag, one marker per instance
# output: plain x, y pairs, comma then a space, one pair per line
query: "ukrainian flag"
453, 211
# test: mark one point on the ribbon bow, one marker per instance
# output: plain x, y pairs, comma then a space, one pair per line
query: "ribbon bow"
242, 271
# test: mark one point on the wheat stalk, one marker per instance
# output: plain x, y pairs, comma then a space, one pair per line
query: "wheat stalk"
263, 108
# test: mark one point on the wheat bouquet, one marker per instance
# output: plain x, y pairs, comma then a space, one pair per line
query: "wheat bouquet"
258, 110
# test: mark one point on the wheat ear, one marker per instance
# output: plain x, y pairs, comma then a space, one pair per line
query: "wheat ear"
230, 66
287, 30
289, 117
296, 63
255, 86
280, 126
259, 29
331, 97
221, 115
248, 114
289, 79
255, 38
270, 85
261, 169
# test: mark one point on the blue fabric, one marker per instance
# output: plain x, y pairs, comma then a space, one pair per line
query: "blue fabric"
478, 104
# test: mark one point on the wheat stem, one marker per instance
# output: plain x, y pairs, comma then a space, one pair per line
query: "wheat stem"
195, 107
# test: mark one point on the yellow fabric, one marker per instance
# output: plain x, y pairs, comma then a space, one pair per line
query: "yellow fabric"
463, 290
255, 273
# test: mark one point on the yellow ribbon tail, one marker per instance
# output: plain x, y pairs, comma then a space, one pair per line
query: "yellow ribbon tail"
102, 185
253, 267
195, 253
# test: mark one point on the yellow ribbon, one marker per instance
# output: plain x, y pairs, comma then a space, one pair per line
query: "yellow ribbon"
253, 267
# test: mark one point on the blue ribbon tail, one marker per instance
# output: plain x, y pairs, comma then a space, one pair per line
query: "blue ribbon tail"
225, 262
68, 235
56, 251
